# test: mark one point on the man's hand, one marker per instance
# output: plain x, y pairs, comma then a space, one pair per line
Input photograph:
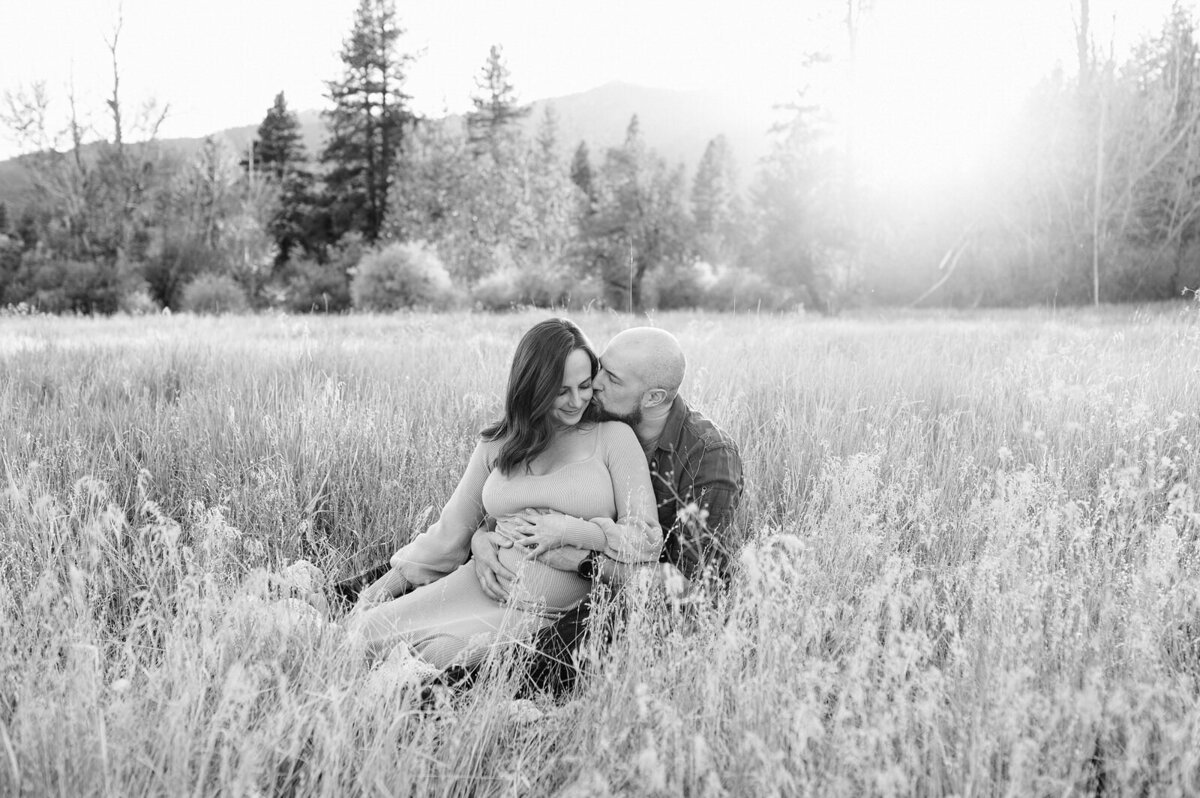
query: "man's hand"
676, 586
493, 576
564, 558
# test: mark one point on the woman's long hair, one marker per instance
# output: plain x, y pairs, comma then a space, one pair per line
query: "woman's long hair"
533, 385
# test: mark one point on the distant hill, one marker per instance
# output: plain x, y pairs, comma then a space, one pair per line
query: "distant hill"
677, 124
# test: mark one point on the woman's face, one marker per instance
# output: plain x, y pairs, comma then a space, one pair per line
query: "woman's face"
575, 392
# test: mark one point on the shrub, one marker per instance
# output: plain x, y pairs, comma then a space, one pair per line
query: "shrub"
347, 252
316, 288
585, 292
402, 276
10, 267
214, 293
1144, 273
70, 286
538, 285
544, 285
678, 286
499, 290
737, 288
138, 302
176, 262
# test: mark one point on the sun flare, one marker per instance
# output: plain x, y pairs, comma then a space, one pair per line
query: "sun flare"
934, 89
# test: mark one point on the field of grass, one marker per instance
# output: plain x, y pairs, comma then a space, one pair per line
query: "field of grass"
971, 561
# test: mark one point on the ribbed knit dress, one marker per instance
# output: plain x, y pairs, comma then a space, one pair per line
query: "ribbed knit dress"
448, 619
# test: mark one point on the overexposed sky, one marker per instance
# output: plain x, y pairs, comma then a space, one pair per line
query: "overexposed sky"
939, 72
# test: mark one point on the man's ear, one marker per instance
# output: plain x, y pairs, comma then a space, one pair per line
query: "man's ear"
654, 397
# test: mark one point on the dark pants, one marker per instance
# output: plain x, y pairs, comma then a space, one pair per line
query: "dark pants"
345, 592
554, 665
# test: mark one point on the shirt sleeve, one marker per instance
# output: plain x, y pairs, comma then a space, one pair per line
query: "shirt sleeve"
447, 543
635, 535
712, 482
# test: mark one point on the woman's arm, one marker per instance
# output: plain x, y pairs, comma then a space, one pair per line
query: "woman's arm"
445, 545
634, 536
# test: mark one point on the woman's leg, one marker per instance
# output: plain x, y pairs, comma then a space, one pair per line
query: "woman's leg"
448, 622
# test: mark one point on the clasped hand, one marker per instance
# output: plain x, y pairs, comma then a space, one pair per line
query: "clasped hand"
494, 577
536, 531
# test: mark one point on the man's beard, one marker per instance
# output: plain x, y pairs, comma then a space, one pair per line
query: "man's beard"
632, 419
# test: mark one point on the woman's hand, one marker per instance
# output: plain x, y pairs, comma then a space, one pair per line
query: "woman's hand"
385, 588
540, 531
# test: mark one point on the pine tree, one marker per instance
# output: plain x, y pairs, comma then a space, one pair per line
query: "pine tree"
279, 147
581, 172
368, 123
795, 219
28, 229
497, 110
716, 207
551, 195
639, 223
279, 155
3, 218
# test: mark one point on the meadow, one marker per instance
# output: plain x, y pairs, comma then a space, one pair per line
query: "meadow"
969, 561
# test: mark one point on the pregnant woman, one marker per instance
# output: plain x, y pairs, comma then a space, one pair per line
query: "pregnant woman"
549, 474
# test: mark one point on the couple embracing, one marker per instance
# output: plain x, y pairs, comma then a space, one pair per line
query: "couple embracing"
597, 469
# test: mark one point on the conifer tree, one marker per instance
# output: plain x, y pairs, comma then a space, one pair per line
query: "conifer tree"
279, 155
795, 218
639, 223
716, 206
368, 123
279, 148
551, 194
581, 172
497, 109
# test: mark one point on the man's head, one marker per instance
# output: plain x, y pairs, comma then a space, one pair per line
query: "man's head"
640, 372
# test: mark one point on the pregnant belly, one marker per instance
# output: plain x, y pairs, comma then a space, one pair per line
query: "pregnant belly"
540, 588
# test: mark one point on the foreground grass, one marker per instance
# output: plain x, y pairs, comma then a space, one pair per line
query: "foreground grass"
970, 562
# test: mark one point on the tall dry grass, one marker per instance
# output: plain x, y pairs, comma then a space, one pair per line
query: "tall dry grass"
970, 562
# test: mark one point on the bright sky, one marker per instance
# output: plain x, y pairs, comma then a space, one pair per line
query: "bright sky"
936, 77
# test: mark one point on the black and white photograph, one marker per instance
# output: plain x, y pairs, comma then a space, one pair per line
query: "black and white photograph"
551, 398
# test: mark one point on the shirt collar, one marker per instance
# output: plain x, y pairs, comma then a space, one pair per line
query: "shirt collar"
675, 418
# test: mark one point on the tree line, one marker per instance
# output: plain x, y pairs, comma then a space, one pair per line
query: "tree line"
396, 211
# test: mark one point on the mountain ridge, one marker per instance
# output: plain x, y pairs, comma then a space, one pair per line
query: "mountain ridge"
677, 124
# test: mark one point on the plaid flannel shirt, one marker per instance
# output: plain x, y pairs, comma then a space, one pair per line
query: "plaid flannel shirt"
694, 461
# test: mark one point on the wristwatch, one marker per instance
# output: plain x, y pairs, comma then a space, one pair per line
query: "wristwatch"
588, 567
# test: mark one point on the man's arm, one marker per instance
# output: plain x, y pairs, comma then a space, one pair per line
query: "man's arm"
711, 490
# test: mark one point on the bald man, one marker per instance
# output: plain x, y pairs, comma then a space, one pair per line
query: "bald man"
696, 471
